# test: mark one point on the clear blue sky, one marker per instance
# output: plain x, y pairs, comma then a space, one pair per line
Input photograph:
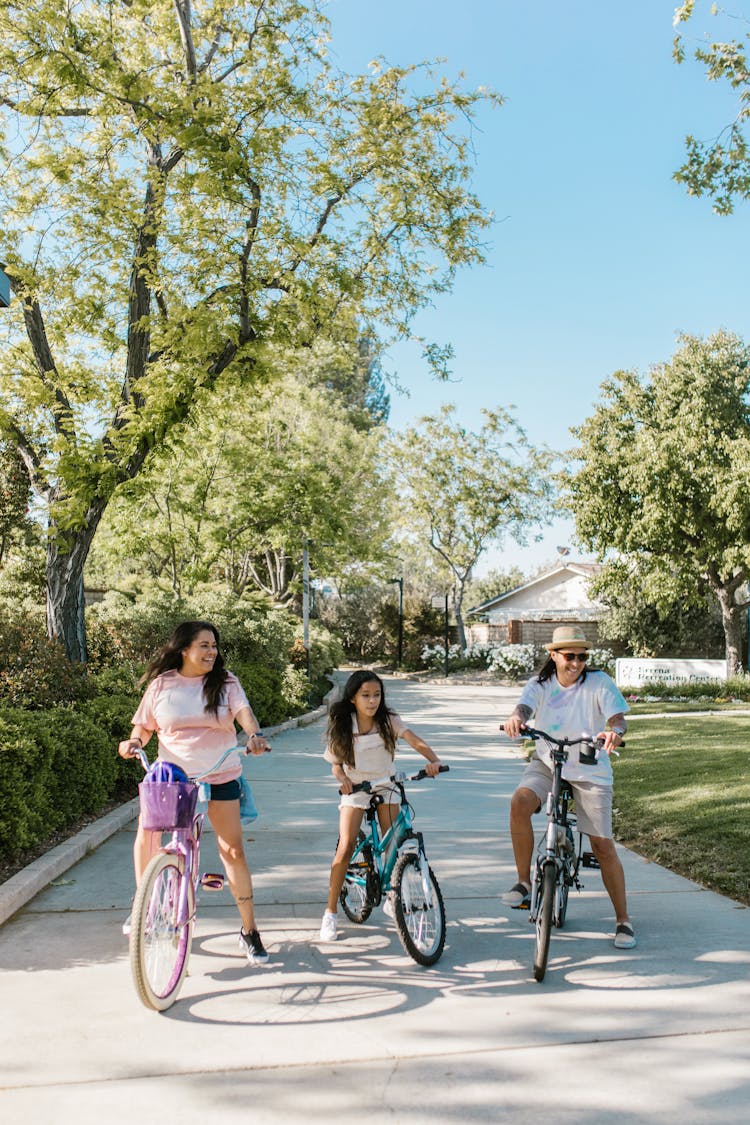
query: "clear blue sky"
598, 259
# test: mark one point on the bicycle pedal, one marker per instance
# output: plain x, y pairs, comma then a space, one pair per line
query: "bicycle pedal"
588, 859
212, 882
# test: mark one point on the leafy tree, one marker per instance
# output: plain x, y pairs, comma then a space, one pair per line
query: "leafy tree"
233, 496
661, 478
182, 185
14, 495
461, 491
719, 168
496, 582
690, 628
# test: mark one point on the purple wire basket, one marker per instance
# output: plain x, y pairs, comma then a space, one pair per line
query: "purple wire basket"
166, 805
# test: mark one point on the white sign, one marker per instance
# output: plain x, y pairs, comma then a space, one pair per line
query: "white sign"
636, 673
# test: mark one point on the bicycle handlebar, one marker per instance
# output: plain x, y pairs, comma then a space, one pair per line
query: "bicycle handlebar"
562, 743
141, 754
395, 779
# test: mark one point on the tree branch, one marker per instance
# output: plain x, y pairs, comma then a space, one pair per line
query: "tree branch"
184, 18
43, 359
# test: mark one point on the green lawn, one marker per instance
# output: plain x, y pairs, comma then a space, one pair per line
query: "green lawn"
682, 797
673, 705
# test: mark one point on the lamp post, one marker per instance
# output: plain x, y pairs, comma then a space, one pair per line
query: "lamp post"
306, 603
400, 583
440, 601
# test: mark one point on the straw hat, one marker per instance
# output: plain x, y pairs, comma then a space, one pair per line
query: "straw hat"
567, 636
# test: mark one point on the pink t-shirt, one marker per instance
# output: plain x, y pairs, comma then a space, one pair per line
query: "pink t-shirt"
191, 737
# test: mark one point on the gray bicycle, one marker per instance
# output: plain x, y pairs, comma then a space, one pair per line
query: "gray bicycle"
559, 858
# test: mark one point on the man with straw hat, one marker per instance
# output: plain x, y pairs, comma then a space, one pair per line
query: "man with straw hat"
569, 700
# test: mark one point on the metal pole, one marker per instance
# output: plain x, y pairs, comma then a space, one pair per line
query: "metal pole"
446, 634
400, 621
306, 603
400, 583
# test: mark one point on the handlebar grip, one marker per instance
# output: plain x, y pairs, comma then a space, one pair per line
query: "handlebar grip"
423, 773
360, 787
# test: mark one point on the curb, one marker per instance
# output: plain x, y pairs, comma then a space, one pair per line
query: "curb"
22, 887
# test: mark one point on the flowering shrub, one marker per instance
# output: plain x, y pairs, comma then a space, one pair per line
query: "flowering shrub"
604, 659
433, 656
512, 661
503, 660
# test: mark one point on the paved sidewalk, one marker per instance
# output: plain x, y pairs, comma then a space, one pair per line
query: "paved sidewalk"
656, 1034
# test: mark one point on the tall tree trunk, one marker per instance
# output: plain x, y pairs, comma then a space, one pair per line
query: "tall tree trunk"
458, 601
66, 558
731, 618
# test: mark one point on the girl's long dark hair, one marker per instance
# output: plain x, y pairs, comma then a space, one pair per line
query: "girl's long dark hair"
169, 658
340, 734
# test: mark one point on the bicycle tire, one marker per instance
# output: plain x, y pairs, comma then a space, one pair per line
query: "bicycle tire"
159, 944
546, 894
354, 898
421, 928
562, 906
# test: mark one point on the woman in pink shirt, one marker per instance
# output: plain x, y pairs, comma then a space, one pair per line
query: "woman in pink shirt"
193, 702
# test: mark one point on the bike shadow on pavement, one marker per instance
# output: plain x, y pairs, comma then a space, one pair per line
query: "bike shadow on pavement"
367, 975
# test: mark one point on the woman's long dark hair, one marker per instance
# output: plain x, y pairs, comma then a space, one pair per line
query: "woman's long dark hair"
169, 658
340, 734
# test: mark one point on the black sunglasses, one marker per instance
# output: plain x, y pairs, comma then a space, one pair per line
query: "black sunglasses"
582, 657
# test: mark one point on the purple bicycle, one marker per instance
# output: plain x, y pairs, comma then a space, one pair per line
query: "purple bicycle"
164, 908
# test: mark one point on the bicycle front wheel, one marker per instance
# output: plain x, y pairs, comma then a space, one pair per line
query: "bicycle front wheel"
160, 940
418, 909
354, 897
545, 904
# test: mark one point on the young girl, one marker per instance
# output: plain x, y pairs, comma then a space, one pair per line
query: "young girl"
192, 702
362, 735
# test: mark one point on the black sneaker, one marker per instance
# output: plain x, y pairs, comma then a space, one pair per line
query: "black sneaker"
252, 947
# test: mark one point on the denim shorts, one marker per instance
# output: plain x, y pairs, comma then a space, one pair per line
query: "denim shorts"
593, 811
226, 791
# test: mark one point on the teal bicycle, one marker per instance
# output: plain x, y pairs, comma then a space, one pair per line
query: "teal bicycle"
396, 863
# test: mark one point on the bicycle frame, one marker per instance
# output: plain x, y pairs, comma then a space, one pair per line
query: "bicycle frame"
559, 847
164, 908
395, 862
385, 848
557, 862
184, 843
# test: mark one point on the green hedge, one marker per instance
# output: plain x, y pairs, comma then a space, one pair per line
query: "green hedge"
59, 727
57, 766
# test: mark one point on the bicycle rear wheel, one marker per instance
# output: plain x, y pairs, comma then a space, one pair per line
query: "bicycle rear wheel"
354, 899
159, 940
545, 904
418, 910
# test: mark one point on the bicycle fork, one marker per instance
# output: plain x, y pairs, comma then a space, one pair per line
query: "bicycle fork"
424, 870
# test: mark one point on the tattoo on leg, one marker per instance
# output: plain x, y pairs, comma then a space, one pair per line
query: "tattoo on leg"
245, 898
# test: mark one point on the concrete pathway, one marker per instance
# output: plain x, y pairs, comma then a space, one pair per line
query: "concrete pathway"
656, 1034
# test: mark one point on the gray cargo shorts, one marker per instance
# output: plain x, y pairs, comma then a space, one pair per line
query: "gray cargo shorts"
593, 809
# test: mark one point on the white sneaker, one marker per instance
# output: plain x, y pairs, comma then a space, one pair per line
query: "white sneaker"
624, 936
329, 927
388, 908
519, 897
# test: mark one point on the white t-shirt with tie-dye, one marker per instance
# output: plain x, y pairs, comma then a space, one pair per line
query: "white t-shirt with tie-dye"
572, 712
